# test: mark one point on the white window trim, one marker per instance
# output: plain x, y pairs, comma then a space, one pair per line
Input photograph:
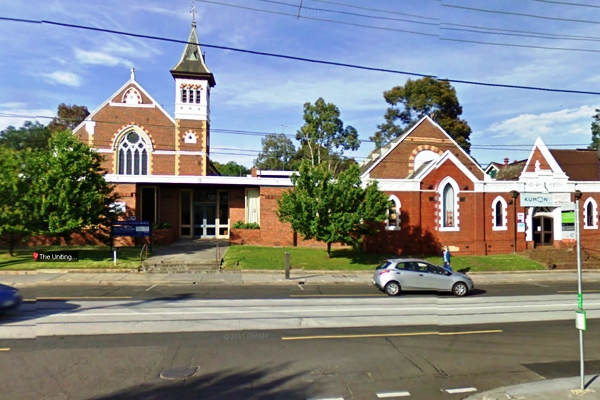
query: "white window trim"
398, 206
594, 216
441, 187
504, 225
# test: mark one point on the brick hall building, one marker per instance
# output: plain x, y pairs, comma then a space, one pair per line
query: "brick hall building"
438, 194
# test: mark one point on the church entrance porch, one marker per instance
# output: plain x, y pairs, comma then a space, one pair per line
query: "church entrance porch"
204, 213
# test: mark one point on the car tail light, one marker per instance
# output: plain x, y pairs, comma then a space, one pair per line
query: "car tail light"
385, 271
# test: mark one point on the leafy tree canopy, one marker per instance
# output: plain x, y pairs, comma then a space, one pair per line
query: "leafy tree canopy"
331, 210
416, 99
231, 169
278, 153
30, 136
595, 131
323, 134
68, 117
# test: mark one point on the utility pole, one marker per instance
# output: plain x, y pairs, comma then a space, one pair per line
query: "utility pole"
580, 317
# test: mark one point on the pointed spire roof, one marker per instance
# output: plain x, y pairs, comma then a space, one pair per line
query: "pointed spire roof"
191, 64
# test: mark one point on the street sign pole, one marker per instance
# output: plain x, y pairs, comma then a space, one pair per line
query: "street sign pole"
580, 315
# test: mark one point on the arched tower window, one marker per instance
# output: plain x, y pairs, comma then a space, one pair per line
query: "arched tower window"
392, 222
590, 214
499, 216
132, 155
448, 212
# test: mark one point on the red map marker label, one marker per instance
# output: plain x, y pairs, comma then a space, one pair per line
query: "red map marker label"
35, 255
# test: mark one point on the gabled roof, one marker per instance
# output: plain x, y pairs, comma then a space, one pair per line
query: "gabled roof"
530, 170
579, 164
378, 155
191, 64
447, 156
133, 82
511, 172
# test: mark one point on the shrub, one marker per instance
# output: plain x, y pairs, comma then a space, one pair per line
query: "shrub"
164, 225
242, 225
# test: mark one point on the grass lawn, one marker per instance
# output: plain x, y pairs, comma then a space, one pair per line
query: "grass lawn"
271, 258
90, 257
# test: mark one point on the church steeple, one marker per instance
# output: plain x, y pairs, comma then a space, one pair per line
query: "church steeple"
191, 65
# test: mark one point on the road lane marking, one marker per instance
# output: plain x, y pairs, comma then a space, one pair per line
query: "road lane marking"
300, 286
376, 335
575, 291
151, 287
539, 284
85, 298
461, 390
5, 349
337, 295
392, 394
326, 398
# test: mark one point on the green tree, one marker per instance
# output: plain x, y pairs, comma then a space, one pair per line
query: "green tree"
416, 99
278, 153
595, 131
231, 169
331, 210
323, 134
55, 191
31, 135
68, 117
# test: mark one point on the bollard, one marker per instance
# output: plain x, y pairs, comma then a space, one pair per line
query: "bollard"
287, 265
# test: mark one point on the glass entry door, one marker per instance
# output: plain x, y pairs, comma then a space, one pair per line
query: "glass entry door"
205, 220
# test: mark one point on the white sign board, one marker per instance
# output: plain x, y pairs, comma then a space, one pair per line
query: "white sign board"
544, 199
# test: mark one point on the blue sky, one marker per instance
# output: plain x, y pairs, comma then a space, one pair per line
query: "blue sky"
42, 65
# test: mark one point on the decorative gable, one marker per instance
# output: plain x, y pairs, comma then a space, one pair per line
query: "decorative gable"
541, 164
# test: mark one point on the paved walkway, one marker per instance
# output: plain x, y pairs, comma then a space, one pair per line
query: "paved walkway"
250, 277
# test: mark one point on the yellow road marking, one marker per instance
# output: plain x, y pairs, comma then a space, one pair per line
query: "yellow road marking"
575, 291
81, 298
375, 335
5, 349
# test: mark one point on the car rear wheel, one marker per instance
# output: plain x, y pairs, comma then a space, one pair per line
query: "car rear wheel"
392, 288
460, 289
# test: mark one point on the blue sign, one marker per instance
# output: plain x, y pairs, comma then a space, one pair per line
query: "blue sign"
130, 228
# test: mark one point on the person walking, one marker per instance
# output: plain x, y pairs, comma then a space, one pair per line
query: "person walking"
446, 258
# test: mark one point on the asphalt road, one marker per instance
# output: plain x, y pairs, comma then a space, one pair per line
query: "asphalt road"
277, 291
417, 362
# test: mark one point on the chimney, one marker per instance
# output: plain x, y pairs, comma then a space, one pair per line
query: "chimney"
506, 161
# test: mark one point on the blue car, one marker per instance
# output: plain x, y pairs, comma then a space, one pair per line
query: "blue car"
10, 298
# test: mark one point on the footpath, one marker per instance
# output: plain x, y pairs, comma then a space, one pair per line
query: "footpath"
252, 277
556, 389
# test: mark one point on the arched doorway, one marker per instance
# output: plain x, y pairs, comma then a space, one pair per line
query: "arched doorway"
543, 223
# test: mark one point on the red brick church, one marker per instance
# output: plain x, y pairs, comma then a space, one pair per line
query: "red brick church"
438, 194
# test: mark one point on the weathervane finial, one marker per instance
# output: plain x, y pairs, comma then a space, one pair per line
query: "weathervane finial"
193, 12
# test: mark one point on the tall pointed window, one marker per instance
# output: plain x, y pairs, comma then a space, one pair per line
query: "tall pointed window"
448, 205
133, 155
499, 217
590, 214
393, 214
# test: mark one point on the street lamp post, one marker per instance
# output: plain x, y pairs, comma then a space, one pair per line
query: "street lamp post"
514, 195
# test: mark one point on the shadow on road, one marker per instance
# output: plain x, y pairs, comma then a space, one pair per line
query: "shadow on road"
249, 384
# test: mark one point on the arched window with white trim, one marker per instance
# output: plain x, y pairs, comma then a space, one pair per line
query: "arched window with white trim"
448, 211
392, 223
132, 154
590, 214
499, 214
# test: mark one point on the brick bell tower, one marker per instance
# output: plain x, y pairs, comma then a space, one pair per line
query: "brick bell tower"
193, 82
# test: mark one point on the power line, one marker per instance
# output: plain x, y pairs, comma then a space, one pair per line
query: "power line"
312, 60
523, 34
350, 13
565, 3
319, 19
521, 14
526, 46
375, 9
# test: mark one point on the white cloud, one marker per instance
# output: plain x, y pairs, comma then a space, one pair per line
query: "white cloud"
16, 114
63, 78
564, 126
100, 58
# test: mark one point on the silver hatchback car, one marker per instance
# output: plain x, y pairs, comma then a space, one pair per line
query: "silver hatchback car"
396, 275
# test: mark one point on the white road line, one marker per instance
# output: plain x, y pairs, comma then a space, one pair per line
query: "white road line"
461, 390
151, 287
300, 286
392, 394
327, 398
539, 284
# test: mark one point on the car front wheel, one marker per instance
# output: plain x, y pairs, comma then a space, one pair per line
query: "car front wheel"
460, 289
392, 288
